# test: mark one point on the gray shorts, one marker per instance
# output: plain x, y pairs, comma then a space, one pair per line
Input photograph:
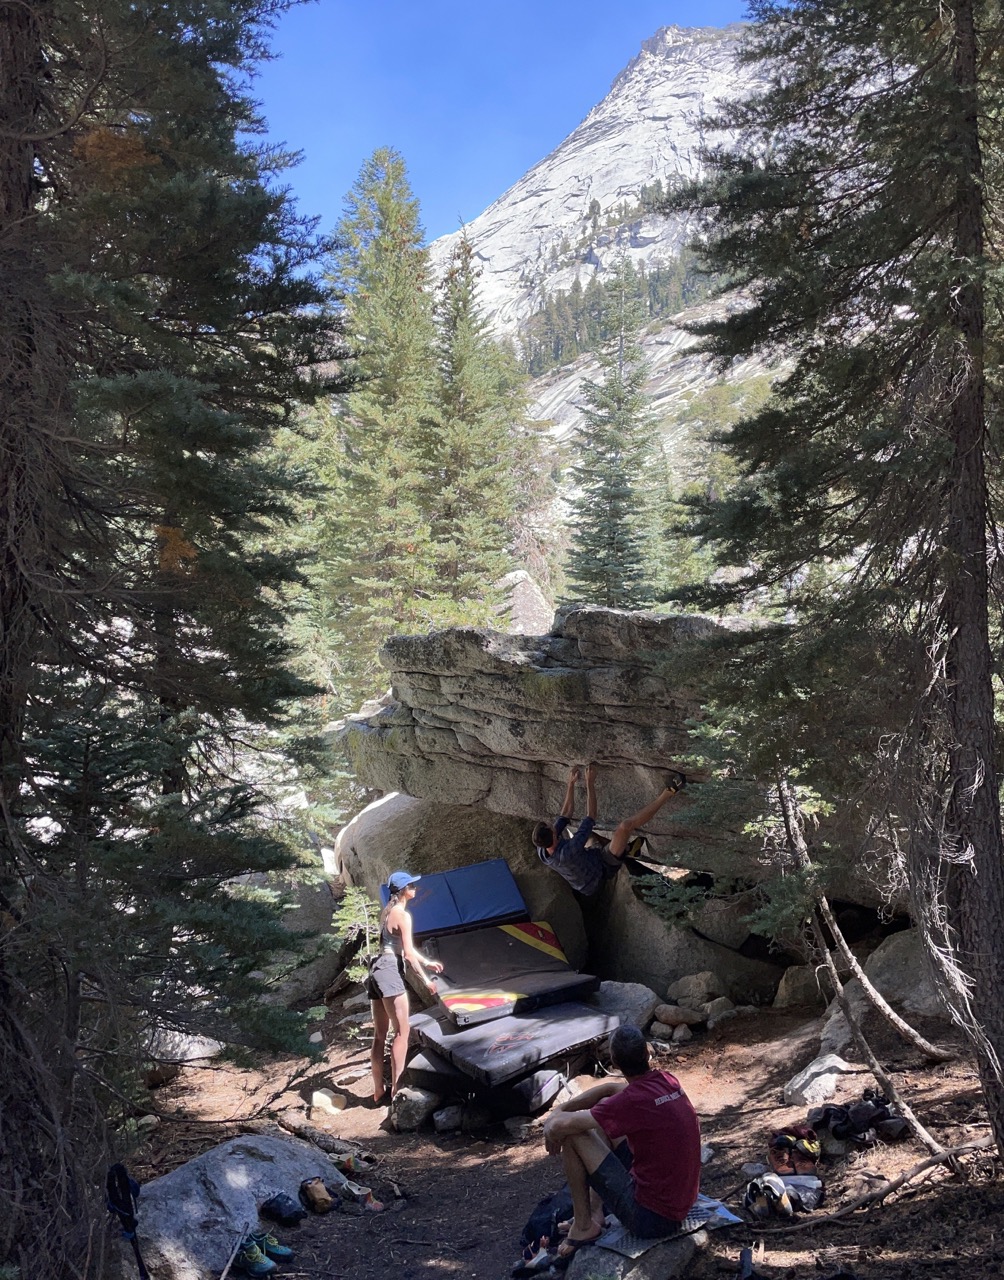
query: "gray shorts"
613, 1183
386, 978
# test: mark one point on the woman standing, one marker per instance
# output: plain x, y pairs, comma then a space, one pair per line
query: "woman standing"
385, 986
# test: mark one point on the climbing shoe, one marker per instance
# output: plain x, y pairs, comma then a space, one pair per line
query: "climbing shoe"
271, 1247
252, 1261
675, 781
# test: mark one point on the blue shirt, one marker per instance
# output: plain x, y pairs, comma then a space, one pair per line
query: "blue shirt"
583, 868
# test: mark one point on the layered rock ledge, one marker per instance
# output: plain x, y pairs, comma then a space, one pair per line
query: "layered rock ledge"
480, 718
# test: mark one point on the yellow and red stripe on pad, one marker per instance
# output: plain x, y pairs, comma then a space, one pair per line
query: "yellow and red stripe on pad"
539, 934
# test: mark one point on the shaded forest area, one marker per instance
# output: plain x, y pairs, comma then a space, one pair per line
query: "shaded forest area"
234, 455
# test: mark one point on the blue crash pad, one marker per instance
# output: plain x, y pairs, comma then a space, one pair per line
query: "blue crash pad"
467, 898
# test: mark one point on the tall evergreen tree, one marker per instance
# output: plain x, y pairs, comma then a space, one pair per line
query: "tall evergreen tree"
155, 322
607, 557
472, 452
378, 569
857, 216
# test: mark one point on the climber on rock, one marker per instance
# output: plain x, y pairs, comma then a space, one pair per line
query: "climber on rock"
583, 864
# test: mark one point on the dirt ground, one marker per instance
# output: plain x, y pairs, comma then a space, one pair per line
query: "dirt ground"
465, 1197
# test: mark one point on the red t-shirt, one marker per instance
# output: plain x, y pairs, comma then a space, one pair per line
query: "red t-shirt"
662, 1130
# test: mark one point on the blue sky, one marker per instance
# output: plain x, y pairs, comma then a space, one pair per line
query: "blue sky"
471, 92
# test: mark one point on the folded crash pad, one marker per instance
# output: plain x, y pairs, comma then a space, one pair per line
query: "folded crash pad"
510, 968
428, 1070
467, 898
499, 1051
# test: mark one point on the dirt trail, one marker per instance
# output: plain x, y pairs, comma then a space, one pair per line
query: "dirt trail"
466, 1196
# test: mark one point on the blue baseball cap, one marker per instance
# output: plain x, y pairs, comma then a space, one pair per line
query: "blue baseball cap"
400, 880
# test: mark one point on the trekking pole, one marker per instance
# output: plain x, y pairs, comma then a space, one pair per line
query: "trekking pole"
121, 1192
234, 1251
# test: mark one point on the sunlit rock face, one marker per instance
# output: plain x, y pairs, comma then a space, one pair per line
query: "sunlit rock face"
479, 718
540, 236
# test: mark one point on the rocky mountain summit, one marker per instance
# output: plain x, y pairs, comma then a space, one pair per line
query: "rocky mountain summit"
577, 212
540, 236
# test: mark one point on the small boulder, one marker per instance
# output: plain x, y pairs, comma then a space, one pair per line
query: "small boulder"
632, 1002
411, 1107
189, 1218
664, 1261
448, 1119
802, 984
724, 1015
661, 1031
817, 1082
675, 1015
522, 1128
899, 967
327, 1101
722, 1005
696, 990
359, 1002
682, 1034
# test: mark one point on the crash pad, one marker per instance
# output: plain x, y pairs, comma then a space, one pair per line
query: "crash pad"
499, 1051
467, 898
429, 1070
510, 968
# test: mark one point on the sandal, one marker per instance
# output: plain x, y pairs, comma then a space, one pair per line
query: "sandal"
569, 1246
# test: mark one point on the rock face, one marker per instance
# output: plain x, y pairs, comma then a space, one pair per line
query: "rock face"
631, 943
494, 721
189, 1219
539, 237
423, 836
564, 221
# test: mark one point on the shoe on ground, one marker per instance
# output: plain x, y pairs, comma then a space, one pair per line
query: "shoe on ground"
252, 1261
271, 1247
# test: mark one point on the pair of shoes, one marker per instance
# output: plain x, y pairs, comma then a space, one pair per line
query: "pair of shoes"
258, 1254
271, 1247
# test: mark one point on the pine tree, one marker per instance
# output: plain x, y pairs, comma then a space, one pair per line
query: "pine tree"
607, 558
857, 217
377, 562
472, 452
156, 319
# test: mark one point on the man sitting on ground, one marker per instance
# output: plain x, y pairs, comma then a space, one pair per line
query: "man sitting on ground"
585, 866
633, 1145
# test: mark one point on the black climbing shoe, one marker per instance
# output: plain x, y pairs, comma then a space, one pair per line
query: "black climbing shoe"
675, 781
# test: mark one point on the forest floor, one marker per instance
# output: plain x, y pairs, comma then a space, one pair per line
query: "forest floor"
465, 1197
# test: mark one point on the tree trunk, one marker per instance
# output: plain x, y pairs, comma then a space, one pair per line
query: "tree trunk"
973, 841
800, 853
20, 61
797, 846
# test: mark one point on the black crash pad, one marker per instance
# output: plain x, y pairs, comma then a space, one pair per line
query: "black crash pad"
499, 1051
509, 968
428, 1070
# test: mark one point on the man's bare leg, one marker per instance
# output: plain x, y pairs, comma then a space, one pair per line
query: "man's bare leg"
581, 1154
622, 835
